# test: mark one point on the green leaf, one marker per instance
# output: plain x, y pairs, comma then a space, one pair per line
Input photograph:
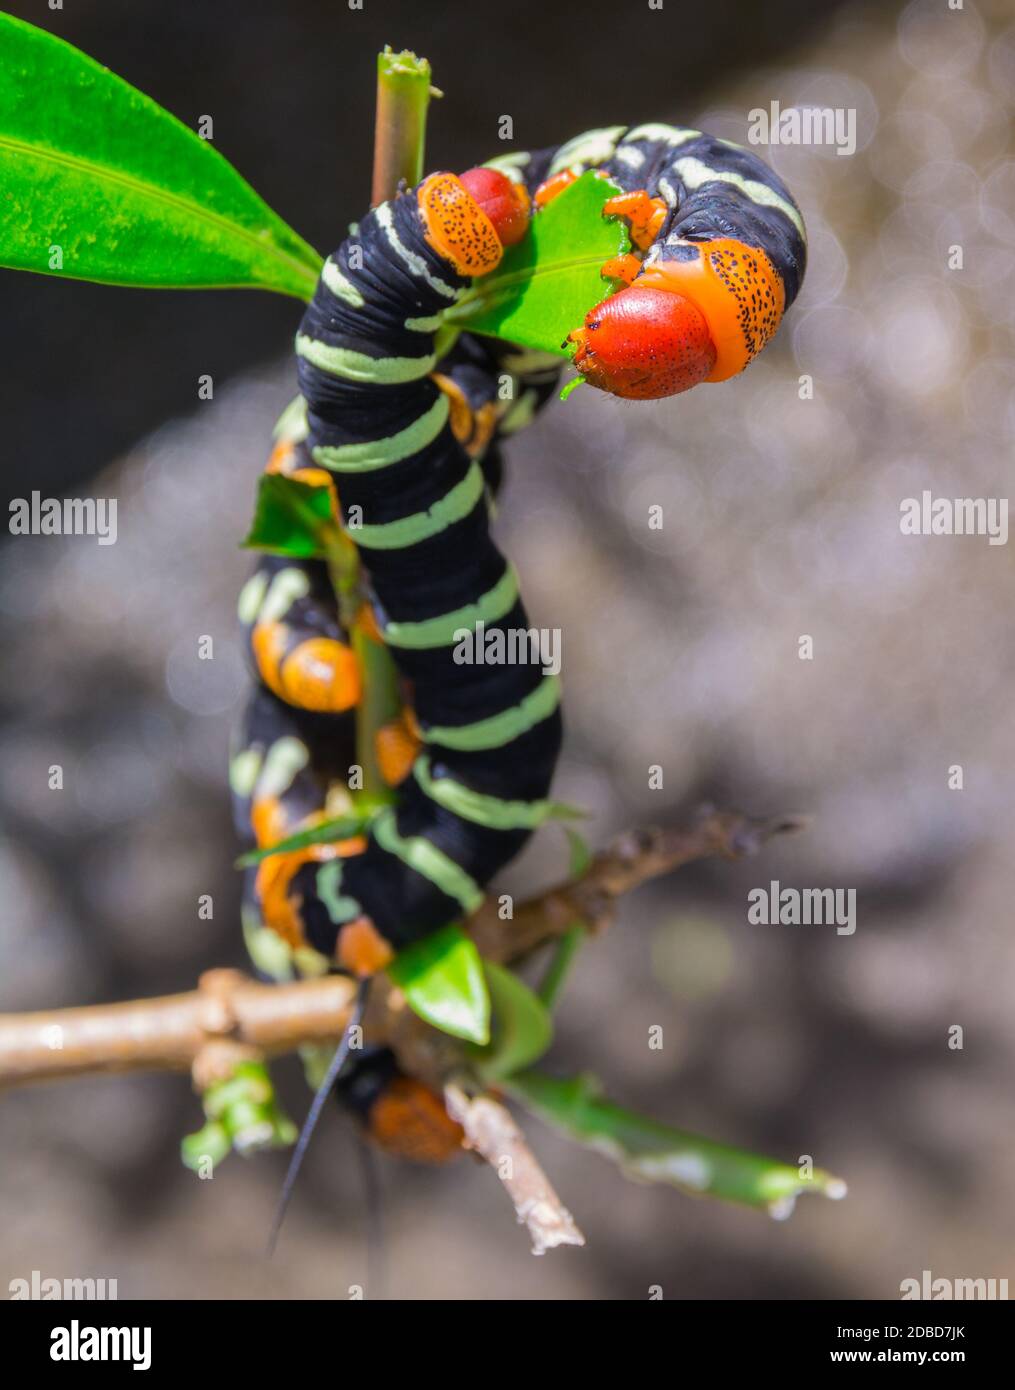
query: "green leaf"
522, 1029
442, 979
292, 518
342, 828
100, 183
544, 286
653, 1152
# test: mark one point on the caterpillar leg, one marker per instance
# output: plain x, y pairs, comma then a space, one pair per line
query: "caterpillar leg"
493, 389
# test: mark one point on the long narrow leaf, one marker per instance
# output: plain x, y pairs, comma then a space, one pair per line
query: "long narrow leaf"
653, 1152
341, 828
100, 183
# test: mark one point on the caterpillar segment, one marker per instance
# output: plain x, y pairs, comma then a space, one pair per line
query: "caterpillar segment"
406, 429
406, 439
400, 1114
299, 649
720, 251
410, 443
288, 771
477, 391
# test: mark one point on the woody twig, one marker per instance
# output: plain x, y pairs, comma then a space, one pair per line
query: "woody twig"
230, 1011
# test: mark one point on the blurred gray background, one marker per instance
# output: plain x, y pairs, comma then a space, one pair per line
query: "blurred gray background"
680, 648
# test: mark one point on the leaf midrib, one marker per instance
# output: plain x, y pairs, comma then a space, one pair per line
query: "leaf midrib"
112, 176
517, 277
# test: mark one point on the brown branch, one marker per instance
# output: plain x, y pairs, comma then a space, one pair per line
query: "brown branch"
230, 1015
170, 1033
491, 1131
631, 860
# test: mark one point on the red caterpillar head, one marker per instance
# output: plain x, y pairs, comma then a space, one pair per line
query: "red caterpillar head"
505, 203
701, 317
644, 343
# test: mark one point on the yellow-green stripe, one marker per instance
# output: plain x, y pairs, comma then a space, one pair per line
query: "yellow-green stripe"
693, 173
440, 631
427, 860
667, 134
359, 366
415, 263
340, 286
410, 530
293, 424
478, 807
379, 453
339, 906
500, 728
429, 323
591, 147
510, 165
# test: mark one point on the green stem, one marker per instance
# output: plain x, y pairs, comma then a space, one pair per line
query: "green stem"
379, 705
403, 94
345, 575
560, 963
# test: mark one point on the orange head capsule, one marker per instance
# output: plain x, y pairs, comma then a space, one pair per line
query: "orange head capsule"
505, 203
457, 227
643, 344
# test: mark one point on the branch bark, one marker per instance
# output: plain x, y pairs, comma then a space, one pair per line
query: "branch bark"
491, 1131
228, 1014
169, 1033
631, 860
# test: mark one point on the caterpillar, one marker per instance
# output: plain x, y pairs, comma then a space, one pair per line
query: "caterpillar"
408, 436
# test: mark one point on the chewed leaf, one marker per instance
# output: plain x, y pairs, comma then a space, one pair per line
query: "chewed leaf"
100, 183
546, 284
653, 1152
292, 518
442, 980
